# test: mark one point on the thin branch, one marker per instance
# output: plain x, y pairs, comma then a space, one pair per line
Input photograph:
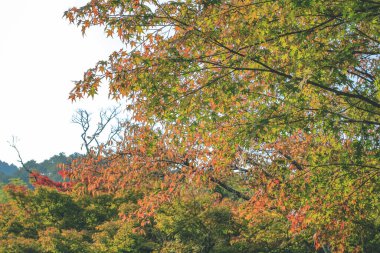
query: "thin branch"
20, 160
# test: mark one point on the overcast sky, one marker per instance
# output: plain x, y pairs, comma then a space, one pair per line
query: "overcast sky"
40, 55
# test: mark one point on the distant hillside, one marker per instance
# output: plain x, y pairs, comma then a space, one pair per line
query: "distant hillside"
7, 169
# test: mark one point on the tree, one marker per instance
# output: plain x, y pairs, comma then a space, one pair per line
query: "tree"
47, 173
46, 220
276, 104
93, 141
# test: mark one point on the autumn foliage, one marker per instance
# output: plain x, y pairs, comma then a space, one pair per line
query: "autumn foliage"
254, 125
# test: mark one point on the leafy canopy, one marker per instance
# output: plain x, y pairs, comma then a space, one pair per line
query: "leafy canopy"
274, 104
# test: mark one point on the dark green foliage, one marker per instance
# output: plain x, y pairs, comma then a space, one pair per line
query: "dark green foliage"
44, 220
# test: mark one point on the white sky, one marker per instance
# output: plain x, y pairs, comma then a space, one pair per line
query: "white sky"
40, 54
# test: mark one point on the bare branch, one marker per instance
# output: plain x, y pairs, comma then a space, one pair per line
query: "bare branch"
92, 140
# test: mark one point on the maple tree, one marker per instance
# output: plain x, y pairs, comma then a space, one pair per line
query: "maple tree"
269, 108
275, 102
